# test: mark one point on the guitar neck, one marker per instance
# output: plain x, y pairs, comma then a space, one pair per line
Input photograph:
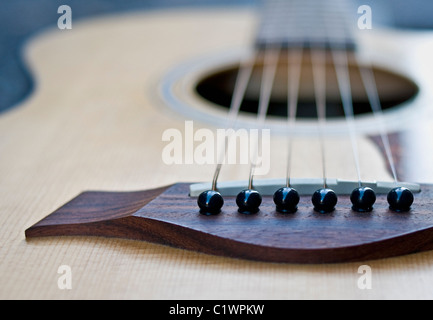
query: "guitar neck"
301, 23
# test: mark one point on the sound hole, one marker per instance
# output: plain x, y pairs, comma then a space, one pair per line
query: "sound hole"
394, 89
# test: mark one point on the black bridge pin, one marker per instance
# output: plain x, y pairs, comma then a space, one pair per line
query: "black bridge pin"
248, 201
286, 200
210, 202
400, 199
363, 199
324, 200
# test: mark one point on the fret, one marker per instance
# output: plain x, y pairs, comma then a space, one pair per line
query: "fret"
306, 23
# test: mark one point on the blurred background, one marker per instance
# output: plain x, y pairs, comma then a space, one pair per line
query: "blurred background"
20, 19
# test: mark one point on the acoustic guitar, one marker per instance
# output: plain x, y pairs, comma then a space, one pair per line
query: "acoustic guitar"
221, 153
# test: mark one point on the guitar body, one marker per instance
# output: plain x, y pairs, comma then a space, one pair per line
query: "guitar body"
96, 121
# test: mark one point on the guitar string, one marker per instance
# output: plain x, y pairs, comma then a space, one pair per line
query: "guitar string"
294, 75
369, 83
271, 58
294, 66
340, 57
338, 44
319, 69
318, 62
343, 78
370, 86
241, 84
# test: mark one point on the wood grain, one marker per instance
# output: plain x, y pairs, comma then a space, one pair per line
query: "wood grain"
96, 125
169, 217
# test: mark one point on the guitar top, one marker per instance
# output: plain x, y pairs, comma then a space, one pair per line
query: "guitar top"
106, 171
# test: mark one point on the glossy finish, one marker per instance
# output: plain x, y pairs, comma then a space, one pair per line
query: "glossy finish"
400, 199
286, 200
78, 135
363, 199
248, 201
324, 200
210, 202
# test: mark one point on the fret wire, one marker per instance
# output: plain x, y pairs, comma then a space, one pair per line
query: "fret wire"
290, 21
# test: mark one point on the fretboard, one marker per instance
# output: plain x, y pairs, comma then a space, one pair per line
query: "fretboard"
307, 23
